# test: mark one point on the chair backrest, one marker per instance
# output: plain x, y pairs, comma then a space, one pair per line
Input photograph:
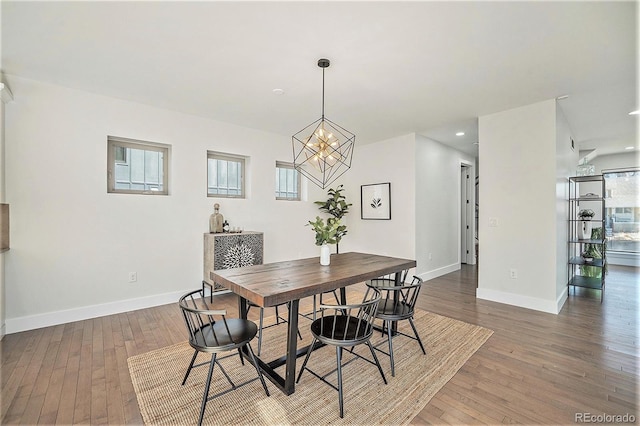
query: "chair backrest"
398, 299
207, 327
348, 323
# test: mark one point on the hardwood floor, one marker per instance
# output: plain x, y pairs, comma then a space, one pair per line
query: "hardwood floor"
540, 368
537, 368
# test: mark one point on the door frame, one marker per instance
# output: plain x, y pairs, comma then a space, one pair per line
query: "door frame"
466, 214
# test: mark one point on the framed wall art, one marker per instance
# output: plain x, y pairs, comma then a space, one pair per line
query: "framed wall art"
375, 201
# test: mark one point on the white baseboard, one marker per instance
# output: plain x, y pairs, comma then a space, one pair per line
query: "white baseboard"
528, 302
429, 275
16, 325
562, 298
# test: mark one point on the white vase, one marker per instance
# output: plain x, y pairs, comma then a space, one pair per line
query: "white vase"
325, 255
585, 228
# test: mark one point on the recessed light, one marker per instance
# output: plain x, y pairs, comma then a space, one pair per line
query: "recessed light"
460, 134
629, 147
278, 92
634, 112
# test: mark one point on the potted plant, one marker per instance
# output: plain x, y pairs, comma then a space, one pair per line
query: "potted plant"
336, 205
585, 216
326, 233
592, 252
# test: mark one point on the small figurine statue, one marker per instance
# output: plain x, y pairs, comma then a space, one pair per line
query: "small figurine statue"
225, 226
216, 220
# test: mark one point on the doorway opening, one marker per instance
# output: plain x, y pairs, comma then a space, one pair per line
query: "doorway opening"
467, 214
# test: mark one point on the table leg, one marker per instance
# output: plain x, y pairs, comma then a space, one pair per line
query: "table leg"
287, 383
343, 295
292, 346
204, 283
397, 283
242, 307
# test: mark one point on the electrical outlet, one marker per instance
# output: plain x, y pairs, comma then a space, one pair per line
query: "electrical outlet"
133, 277
430, 256
513, 273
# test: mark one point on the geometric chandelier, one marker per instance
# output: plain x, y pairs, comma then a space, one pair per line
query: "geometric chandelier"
323, 150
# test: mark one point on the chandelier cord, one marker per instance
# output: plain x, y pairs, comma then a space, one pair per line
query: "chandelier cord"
323, 93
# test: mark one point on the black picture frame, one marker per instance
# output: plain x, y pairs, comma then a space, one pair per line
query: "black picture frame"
375, 201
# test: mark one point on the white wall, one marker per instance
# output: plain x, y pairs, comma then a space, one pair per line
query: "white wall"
73, 244
438, 209
566, 162
518, 196
386, 161
425, 202
616, 161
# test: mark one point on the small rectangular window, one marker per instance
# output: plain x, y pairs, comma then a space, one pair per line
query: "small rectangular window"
225, 175
137, 167
287, 182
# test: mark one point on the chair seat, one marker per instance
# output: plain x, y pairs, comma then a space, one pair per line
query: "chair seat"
240, 333
340, 330
392, 310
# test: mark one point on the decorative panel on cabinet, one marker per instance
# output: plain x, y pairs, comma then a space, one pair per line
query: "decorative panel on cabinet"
230, 250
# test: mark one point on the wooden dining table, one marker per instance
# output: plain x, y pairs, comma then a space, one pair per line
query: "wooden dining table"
276, 283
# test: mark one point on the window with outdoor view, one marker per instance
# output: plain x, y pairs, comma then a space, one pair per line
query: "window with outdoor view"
287, 182
225, 175
622, 212
137, 167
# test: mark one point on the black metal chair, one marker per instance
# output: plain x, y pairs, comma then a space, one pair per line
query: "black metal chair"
388, 280
261, 326
250, 305
210, 331
344, 326
397, 303
318, 297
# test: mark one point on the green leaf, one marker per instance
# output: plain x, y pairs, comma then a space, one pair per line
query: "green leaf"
336, 206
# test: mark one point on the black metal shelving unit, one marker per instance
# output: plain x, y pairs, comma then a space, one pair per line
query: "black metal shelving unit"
583, 273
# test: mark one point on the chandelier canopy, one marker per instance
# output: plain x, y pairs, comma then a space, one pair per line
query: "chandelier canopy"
323, 150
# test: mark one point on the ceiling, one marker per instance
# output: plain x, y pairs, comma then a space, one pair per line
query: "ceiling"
396, 67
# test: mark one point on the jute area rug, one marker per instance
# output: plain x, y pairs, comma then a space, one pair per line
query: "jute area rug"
449, 343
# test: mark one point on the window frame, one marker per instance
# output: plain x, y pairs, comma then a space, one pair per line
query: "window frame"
614, 208
114, 142
223, 156
290, 166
